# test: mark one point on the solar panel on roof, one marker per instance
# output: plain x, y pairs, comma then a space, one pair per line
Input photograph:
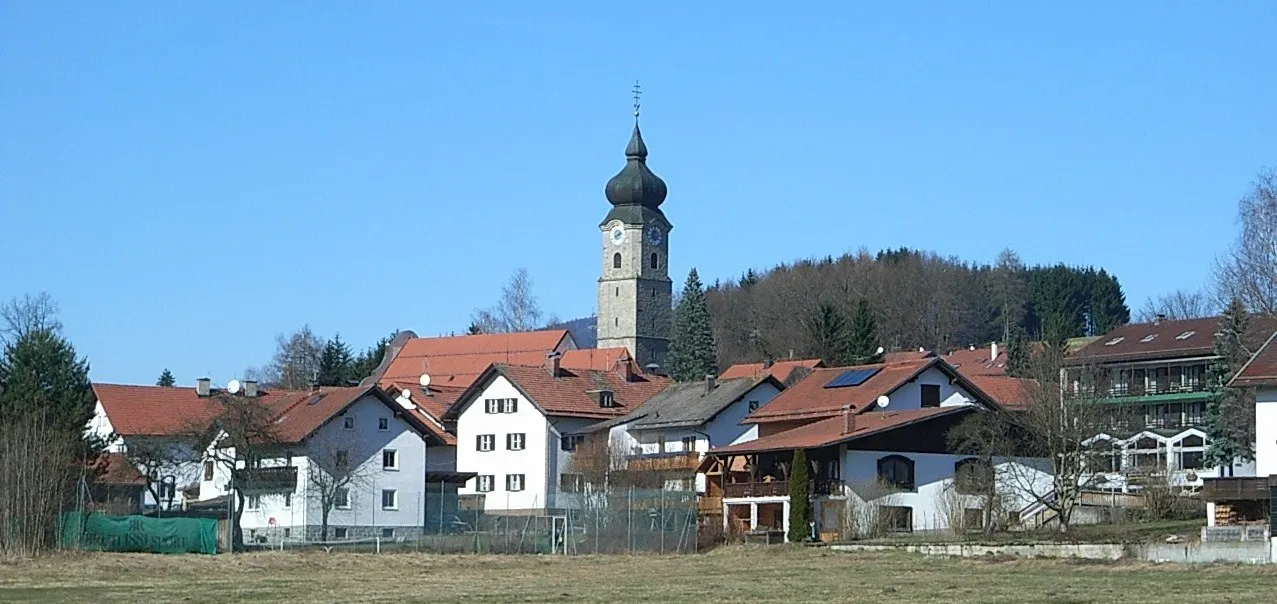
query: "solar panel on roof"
851, 377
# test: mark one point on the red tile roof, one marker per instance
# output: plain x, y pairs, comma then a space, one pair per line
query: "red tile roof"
830, 431
1261, 369
1166, 339
779, 369
979, 361
1006, 391
907, 355
568, 394
159, 411
115, 469
809, 399
457, 360
301, 413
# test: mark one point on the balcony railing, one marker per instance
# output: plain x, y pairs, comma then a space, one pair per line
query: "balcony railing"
267, 479
683, 460
779, 488
1238, 488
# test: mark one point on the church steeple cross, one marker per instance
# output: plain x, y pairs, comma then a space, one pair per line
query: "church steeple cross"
638, 91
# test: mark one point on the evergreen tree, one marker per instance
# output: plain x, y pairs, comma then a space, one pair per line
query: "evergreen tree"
1106, 308
474, 329
1018, 353
367, 361
864, 341
335, 363
41, 376
799, 498
830, 335
692, 354
166, 379
1230, 417
749, 279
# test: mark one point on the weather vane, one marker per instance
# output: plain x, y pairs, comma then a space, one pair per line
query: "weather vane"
637, 93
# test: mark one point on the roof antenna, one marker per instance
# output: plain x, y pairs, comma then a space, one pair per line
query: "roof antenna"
638, 91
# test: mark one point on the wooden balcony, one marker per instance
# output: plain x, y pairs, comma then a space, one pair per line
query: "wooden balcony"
267, 479
778, 488
1245, 488
663, 461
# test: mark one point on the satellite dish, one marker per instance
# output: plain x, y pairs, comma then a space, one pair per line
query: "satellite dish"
405, 393
424, 380
883, 401
881, 350
233, 386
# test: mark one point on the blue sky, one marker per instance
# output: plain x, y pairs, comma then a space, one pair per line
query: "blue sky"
189, 180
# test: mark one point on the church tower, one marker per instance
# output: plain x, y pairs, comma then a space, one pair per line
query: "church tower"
634, 289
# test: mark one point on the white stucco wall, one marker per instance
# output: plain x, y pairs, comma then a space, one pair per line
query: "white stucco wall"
1266, 431
909, 395
726, 429
100, 426
534, 461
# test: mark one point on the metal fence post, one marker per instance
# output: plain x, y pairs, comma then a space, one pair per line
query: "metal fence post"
629, 520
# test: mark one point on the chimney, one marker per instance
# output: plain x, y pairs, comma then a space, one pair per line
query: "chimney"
250, 387
624, 369
314, 386
711, 381
203, 386
848, 419
993, 351
768, 362
1157, 320
552, 364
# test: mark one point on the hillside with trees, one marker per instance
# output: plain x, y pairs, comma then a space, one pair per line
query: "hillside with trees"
914, 298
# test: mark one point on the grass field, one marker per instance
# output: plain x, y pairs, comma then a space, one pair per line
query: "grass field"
734, 574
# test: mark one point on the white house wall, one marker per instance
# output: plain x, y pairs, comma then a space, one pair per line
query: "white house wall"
1266, 431
533, 461
909, 394
725, 428
100, 426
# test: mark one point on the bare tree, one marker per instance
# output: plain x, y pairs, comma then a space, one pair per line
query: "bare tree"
1060, 419
165, 463
1249, 270
1179, 304
36, 483
517, 310
240, 436
1008, 291
337, 467
297, 358
597, 459
21, 316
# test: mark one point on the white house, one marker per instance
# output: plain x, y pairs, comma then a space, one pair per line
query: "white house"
517, 426
1249, 500
875, 437
357, 453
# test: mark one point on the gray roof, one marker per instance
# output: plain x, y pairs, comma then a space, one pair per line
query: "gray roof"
685, 405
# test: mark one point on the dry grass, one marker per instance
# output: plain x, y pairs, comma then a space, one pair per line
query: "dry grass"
736, 574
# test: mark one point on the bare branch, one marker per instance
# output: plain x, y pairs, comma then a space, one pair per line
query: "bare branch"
21, 316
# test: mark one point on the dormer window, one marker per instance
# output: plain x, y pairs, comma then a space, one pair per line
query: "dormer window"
1115, 341
1186, 335
1148, 338
606, 400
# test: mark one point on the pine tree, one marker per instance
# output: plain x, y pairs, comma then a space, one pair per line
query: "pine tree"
1230, 416
166, 379
40, 375
864, 341
335, 363
799, 498
1019, 356
692, 354
1106, 308
830, 335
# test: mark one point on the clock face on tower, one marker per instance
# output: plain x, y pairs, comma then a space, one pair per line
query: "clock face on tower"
617, 235
654, 234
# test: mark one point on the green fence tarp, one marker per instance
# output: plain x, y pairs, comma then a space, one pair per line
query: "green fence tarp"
98, 532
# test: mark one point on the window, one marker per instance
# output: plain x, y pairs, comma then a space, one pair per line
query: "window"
1191, 460
341, 499
618, 291
341, 459
348, 422
509, 405
168, 491
930, 395
568, 442
254, 502
896, 471
616, 260
389, 499
208, 470
387, 533
1148, 338
288, 500
753, 406
833, 469
514, 482
897, 518
689, 443
1192, 441
972, 476
1115, 341
339, 533
383, 424
514, 441
288, 533
656, 260
389, 459
607, 399
570, 483
1186, 335
680, 484
486, 442
485, 483
492, 405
